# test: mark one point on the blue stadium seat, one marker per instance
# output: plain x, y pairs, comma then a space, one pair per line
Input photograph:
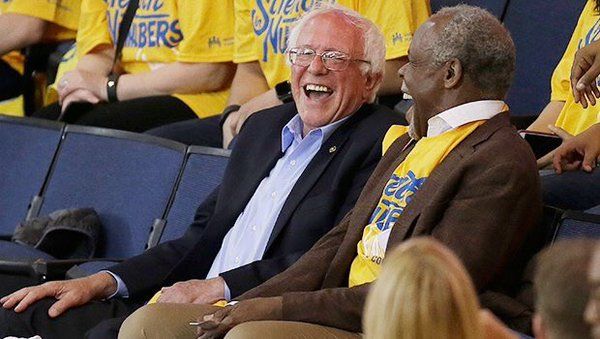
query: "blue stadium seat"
541, 30
27, 149
126, 177
496, 7
202, 173
576, 224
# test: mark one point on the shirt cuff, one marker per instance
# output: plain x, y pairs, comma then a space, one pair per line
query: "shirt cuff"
226, 291
121, 287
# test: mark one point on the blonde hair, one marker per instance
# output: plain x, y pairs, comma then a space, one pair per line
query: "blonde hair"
423, 292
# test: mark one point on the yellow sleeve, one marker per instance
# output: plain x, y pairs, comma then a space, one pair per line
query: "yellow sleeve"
398, 20
207, 28
64, 13
93, 27
395, 132
560, 83
245, 40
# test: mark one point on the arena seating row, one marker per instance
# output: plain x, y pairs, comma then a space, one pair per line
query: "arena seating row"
133, 181
541, 30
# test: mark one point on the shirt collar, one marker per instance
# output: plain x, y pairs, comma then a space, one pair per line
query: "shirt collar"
464, 114
292, 131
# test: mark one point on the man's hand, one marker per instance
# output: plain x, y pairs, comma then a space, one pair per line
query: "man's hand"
217, 324
82, 80
236, 120
584, 72
582, 151
70, 293
546, 160
194, 292
80, 95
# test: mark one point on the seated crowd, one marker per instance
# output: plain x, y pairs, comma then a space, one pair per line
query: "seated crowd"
337, 216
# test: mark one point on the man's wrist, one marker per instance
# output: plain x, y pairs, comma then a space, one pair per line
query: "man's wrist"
111, 87
226, 112
104, 283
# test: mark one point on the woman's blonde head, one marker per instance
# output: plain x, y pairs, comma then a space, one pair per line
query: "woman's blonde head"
423, 292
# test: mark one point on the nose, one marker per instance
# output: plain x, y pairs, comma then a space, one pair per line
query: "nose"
401, 70
316, 66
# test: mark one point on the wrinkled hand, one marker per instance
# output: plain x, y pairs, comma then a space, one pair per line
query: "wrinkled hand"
585, 70
218, 324
581, 151
70, 293
194, 292
80, 95
229, 128
77, 80
546, 160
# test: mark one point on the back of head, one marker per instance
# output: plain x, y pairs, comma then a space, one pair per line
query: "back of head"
424, 292
482, 45
562, 289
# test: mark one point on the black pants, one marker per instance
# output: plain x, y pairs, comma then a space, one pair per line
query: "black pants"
100, 319
136, 115
10, 82
202, 132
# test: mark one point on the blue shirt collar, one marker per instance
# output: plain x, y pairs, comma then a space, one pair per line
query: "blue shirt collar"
292, 131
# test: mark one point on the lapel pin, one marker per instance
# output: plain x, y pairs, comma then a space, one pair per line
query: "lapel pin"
332, 149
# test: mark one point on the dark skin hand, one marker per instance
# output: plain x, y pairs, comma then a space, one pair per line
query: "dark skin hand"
218, 324
579, 152
585, 70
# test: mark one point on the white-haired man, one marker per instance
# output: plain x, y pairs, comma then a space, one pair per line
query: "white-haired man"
296, 170
469, 181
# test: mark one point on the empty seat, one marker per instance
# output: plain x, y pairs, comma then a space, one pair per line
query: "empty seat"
27, 149
576, 224
541, 30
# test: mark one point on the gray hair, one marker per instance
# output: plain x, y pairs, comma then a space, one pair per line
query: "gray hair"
374, 42
487, 55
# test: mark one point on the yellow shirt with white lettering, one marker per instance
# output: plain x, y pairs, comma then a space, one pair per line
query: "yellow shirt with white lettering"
262, 28
162, 32
405, 182
574, 118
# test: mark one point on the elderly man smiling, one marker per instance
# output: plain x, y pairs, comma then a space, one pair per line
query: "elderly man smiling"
292, 176
469, 181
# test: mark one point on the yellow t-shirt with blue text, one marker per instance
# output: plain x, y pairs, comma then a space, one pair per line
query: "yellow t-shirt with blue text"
262, 28
400, 189
574, 118
162, 32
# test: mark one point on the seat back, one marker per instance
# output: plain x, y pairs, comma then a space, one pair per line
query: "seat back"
496, 7
541, 30
577, 224
26, 152
126, 177
203, 171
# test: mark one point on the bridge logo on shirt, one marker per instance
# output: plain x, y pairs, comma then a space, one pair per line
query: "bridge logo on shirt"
272, 21
151, 27
396, 195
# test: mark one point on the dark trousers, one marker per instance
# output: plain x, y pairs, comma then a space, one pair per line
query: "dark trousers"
136, 115
10, 82
99, 319
202, 132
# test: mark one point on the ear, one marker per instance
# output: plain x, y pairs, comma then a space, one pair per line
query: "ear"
453, 73
539, 330
371, 82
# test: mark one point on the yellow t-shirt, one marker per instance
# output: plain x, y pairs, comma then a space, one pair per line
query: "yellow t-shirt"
405, 182
162, 32
262, 28
574, 118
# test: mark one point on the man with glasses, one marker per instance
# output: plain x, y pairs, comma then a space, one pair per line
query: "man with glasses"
298, 172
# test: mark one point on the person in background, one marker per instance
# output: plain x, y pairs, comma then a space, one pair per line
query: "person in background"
423, 291
592, 310
262, 79
29, 22
175, 65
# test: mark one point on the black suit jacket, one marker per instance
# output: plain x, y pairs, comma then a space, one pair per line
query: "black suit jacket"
324, 193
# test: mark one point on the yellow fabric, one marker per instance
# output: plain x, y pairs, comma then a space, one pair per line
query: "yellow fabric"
393, 133
574, 118
154, 299
12, 107
263, 26
405, 182
163, 32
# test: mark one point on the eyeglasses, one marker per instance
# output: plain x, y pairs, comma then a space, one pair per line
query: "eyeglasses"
332, 60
